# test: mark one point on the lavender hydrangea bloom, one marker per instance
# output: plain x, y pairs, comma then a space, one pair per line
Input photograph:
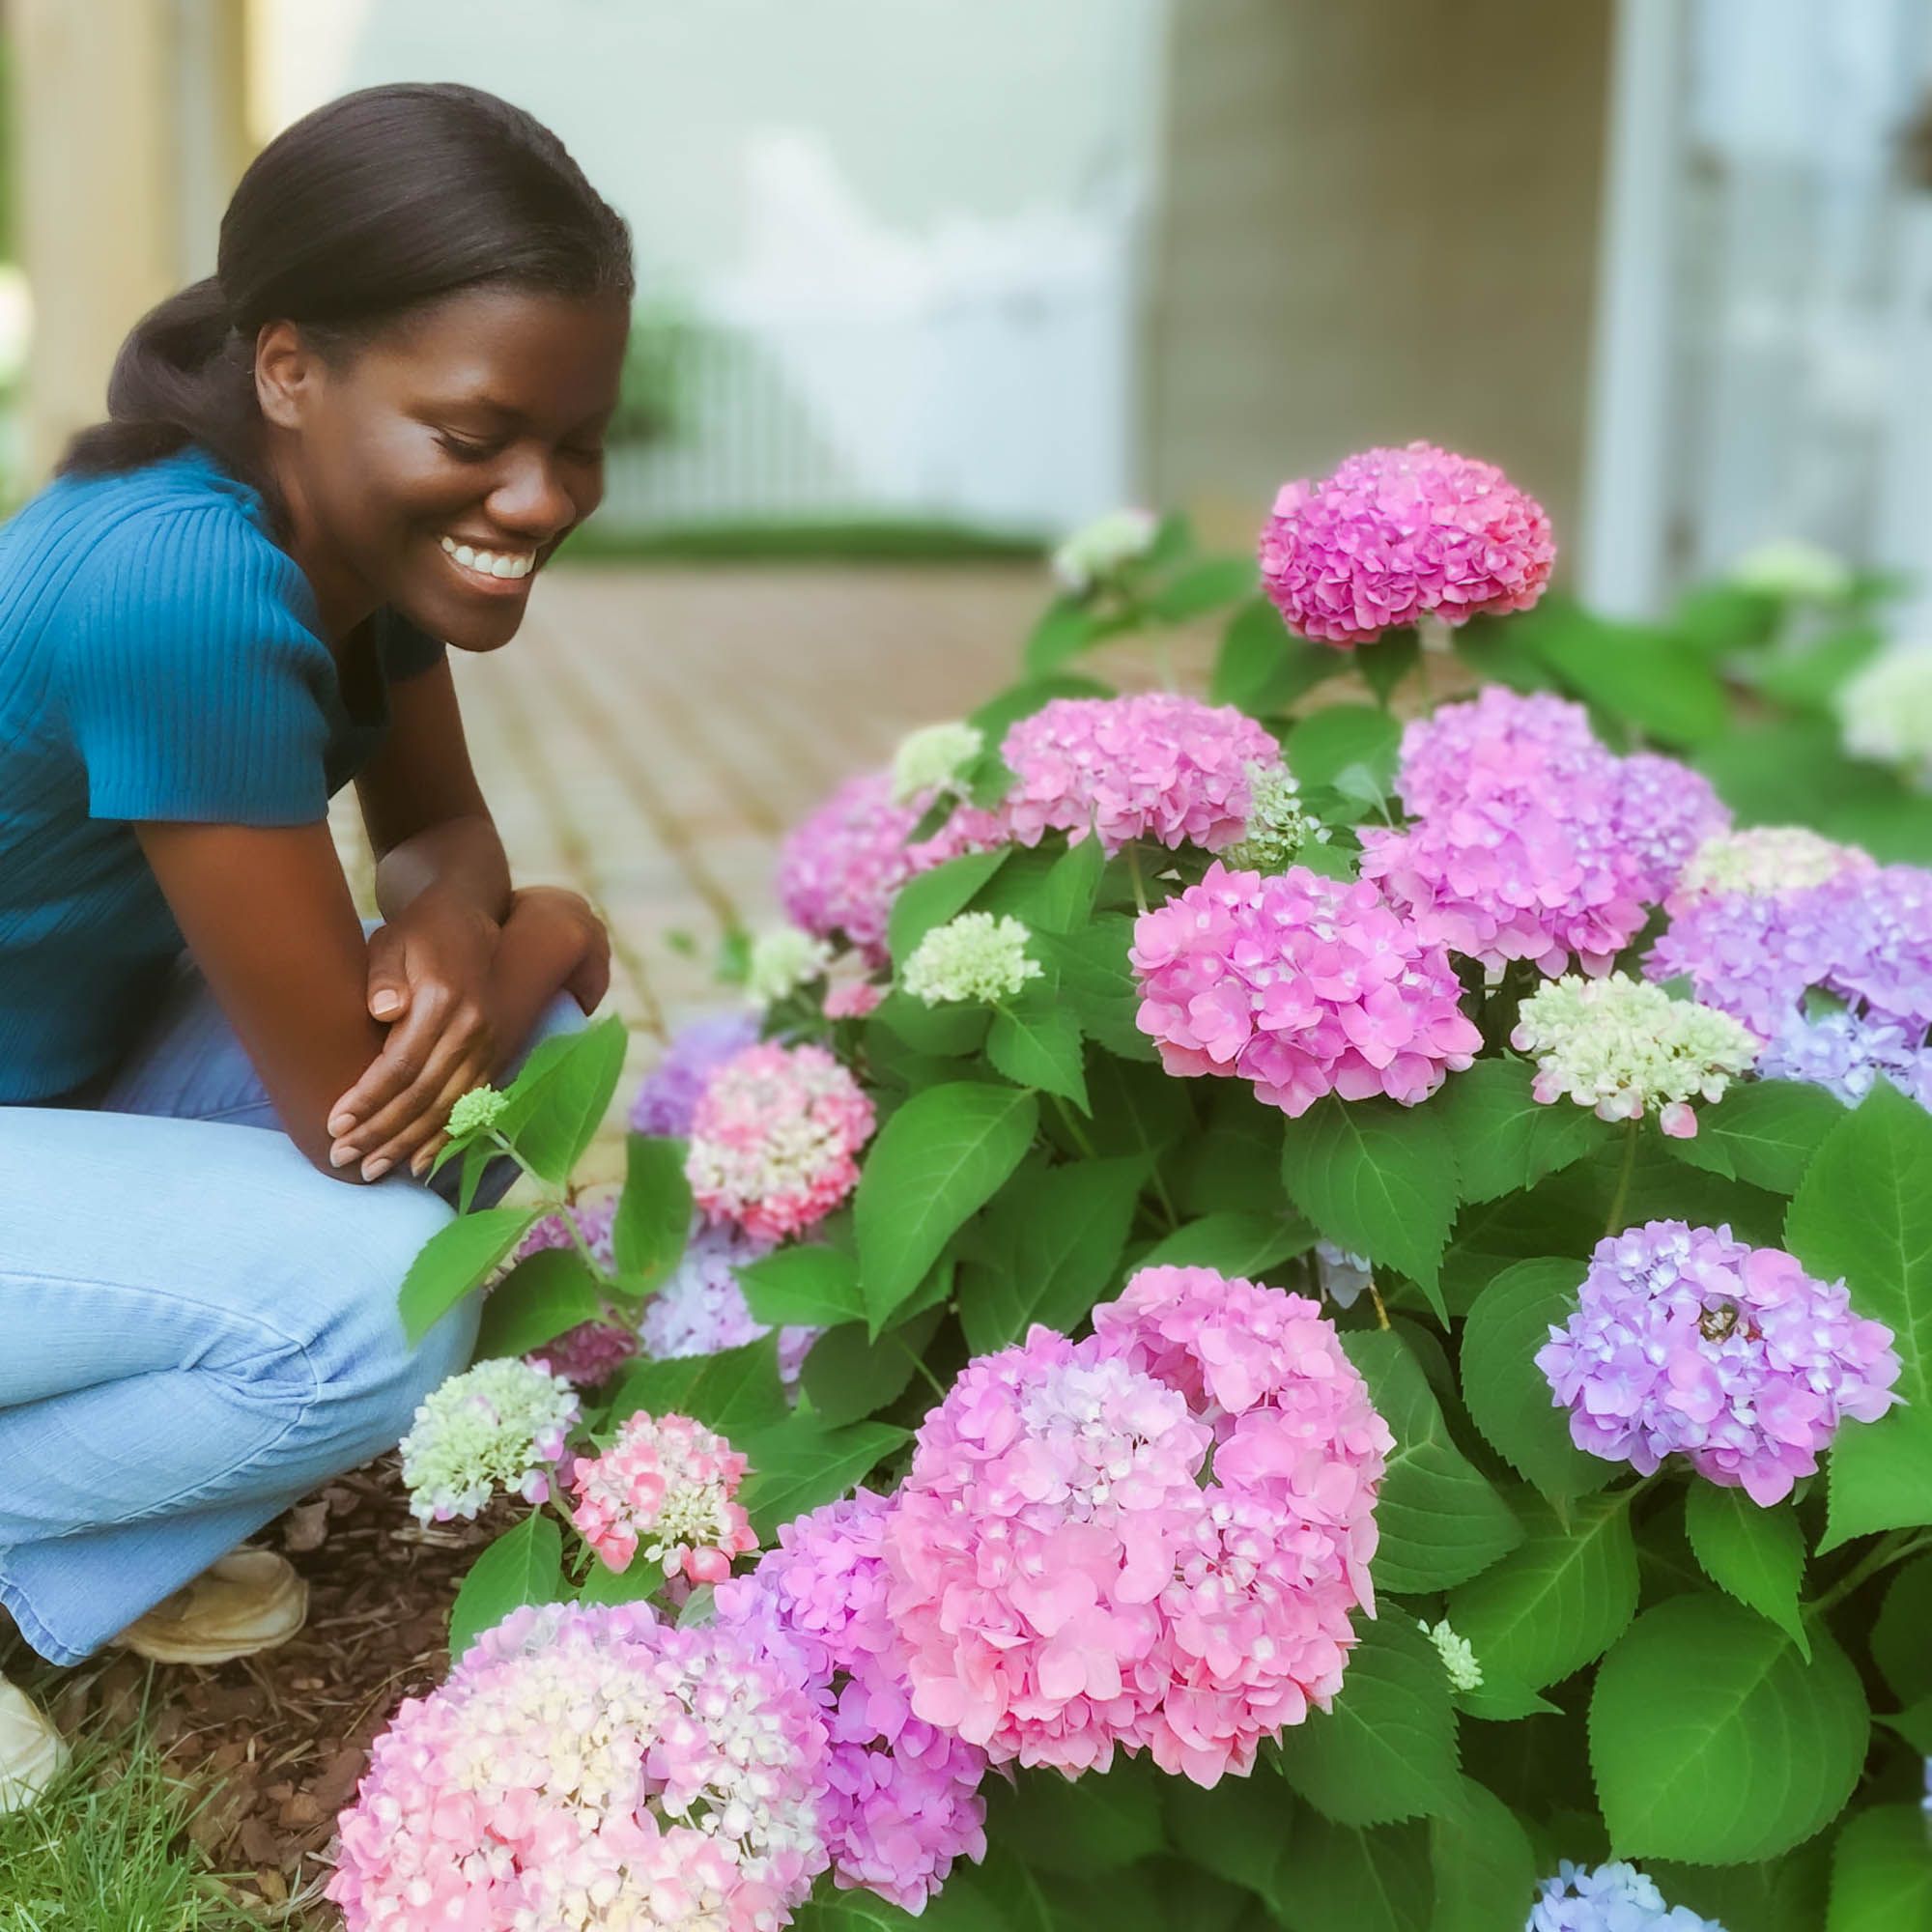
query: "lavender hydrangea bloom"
1611, 1898
1845, 1053
1688, 1342
671, 1088
701, 1310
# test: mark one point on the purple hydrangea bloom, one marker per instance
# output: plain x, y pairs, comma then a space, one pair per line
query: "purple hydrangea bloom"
1845, 1053
701, 1310
671, 1088
1611, 1898
1688, 1342
1664, 811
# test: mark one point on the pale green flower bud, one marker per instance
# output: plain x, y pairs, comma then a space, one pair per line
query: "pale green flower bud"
974, 956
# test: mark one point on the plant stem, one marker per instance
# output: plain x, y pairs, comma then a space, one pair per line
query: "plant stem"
1381, 1313
933, 1382
1614, 1225
557, 1204
1134, 874
1074, 1129
1895, 1549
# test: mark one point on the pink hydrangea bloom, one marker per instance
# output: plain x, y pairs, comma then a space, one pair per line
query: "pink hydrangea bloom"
1663, 813
1688, 1342
904, 1795
556, 1781
670, 1091
1497, 736
1396, 533
852, 999
839, 868
775, 1139
1303, 985
701, 1309
668, 1484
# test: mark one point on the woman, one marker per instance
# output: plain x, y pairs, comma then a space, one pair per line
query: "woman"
352, 444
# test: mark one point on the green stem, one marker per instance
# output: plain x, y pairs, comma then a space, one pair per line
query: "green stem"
1074, 1129
1894, 1548
1614, 1225
932, 1382
557, 1202
1134, 874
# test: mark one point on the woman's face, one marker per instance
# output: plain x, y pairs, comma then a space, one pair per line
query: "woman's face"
436, 467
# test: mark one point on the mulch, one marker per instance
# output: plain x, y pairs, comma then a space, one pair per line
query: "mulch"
275, 1743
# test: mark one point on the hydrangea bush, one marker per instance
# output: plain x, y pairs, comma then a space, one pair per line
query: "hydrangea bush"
1307, 1303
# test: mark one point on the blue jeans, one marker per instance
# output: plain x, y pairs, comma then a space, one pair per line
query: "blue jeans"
197, 1327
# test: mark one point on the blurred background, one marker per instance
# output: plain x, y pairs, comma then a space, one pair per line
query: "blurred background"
924, 283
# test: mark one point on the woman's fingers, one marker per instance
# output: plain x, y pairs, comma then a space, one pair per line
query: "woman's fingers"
407, 1135
461, 1045
405, 1054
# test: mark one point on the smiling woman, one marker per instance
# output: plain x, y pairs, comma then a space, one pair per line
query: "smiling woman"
353, 445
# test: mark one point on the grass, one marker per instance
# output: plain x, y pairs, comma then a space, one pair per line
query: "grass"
107, 1849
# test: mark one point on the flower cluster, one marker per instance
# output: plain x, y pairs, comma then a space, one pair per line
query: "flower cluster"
974, 956
1789, 567
1763, 862
782, 959
1279, 825
1886, 710
497, 1426
1394, 534
667, 1486
1664, 813
1459, 1657
477, 1111
903, 1795
590, 1767
1688, 1342
1500, 737
1611, 1898
1304, 985
1845, 1053
930, 763
839, 868
668, 1093
852, 999
701, 1309
1626, 1048
1096, 552
775, 1139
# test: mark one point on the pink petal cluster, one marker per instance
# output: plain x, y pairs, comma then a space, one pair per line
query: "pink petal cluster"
1303, 985
1688, 1342
590, 1768
1065, 1584
775, 1139
903, 1799
1498, 737
592, 1351
839, 868
1394, 534
668, 1093
852, 999
669, 1486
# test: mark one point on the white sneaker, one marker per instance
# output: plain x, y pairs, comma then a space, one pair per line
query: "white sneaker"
31, 1750
250, 1599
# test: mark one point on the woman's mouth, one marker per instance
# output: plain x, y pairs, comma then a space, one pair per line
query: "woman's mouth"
495, 571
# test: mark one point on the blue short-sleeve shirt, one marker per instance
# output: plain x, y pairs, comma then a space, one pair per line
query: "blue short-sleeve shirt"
160, 658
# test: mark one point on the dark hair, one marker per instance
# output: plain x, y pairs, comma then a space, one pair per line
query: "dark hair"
371, 206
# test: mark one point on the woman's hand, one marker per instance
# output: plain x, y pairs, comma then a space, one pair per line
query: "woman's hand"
553, 907
429, 975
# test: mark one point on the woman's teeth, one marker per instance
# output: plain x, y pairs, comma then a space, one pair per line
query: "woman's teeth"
491, 562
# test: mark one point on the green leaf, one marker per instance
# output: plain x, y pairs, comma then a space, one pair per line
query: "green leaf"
1065, 903
1244, 1247
1558, 1216
1757, 1555
1391, 658
1377, 1180
1763, 1131
1864, 1213
1036, 1046
1235, 1830
736, 1391
1439, 1520
637, 1584
1094, 1824
1202, 588
1484, 1868
525, 1564
1882, 1873
1326, 742
1065, 630
1715, 1743
1096, 983
556, 1105
794, 1468
935, 896
1505, 1139
1057, 1235
1508, 1397
947, 1031
1263, 667
1387, 1748
1334, 1878
535, 1302
653, 1220
1560, 1599
938, 1160
1899, 1642
1634, 671
850, 1374
810, 1287
457, 1258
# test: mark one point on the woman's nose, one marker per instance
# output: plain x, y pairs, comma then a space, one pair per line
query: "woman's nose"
533, 502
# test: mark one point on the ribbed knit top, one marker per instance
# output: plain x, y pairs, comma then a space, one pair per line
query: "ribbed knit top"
160, 658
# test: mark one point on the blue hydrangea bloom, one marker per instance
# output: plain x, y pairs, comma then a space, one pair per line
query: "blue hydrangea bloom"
1611, 1898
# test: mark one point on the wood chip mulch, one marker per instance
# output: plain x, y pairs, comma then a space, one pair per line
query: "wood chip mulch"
278, 1741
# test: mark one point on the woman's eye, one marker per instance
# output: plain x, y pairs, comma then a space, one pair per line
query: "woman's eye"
465, 453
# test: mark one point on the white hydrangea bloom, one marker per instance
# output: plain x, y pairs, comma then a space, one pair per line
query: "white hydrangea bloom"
1626, 1048
1791, 567
499, 1425
783, 958
1887, 711
974, 956
934, 760
1765, 862
1459, 1660
1097, 551
1279, 825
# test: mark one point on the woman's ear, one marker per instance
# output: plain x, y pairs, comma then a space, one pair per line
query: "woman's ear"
285, 371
